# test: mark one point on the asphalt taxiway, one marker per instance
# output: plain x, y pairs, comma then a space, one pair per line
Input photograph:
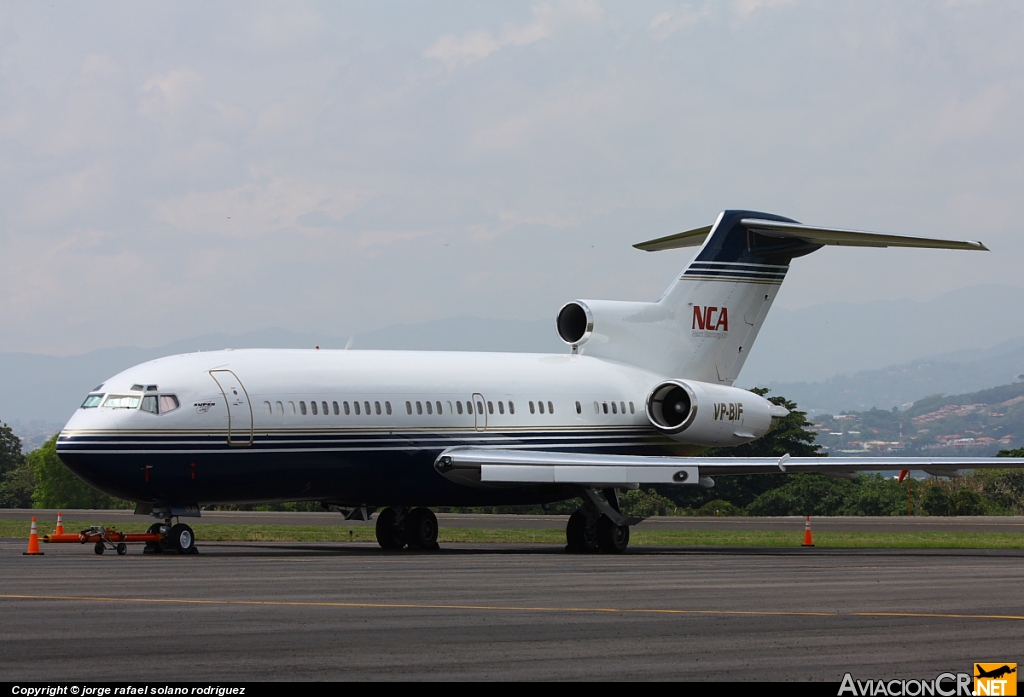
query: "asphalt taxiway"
287, 611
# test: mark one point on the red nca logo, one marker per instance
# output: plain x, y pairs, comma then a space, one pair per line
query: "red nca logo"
715, 319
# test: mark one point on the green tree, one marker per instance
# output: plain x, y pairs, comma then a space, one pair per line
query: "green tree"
875, 495
938, 502
792, 435
805, 494
645, 503
58, 487
16, 481
1004, 488
10, 450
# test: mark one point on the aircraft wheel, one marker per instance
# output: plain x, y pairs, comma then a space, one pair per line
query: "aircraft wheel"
612, 538
183, 539
153, 547
421, 529
389, 535
98, 548
122, 549
580, 536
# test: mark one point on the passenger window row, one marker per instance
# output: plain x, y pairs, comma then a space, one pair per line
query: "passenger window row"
457, 407
165, 403
603, 407
420, 406
358, 408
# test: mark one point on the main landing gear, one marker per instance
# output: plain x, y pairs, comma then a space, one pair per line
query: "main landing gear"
398, 527
599, 525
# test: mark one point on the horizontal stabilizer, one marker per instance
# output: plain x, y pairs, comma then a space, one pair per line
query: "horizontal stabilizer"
483, 467
690, 238
811, 235
851, 238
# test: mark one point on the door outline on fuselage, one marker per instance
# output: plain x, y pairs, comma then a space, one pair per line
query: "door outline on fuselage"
479, 412
238, 415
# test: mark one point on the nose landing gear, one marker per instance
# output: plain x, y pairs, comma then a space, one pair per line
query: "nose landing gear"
177, 539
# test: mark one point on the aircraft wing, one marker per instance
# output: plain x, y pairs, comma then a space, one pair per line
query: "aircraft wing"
485, 467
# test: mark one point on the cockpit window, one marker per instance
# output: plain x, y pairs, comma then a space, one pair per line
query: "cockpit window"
122, 401
92, 401
159, 404
136, 388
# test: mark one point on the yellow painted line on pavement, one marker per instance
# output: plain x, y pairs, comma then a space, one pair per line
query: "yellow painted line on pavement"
508, 608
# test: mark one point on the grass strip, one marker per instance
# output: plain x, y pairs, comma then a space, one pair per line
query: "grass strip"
211, 532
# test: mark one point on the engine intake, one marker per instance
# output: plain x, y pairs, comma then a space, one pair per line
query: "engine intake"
575, 323
672, 406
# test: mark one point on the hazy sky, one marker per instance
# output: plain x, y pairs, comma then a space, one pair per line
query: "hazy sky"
174, 169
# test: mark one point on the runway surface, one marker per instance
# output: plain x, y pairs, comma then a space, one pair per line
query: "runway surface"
286, 611
533, 522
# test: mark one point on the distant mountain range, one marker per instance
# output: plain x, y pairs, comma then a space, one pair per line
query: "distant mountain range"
900, 385
828, 358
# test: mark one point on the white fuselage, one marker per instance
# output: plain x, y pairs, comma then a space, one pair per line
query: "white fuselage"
264, 424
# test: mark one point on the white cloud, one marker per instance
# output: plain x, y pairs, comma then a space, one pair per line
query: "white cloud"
964, 119
745, 8
170, 93
67, 195
293, 26
668, 23
476, 45
259, 208
579, 111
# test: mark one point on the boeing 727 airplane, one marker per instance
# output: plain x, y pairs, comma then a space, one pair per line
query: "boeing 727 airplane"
642, 390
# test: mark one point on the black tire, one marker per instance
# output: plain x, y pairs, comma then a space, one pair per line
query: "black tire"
389, 535
122, 549
580, 537
421, 529
98, 548
182, 539
153, 547
612, 538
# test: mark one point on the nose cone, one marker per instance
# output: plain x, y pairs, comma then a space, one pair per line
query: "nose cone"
80, 447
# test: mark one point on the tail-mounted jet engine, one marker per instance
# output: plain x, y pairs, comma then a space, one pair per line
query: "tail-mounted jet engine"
706, 414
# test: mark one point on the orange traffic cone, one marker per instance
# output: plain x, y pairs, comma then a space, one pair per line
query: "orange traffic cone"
33, 540
60, 525
808, 540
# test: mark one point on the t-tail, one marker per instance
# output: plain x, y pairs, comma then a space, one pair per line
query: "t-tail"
705, 323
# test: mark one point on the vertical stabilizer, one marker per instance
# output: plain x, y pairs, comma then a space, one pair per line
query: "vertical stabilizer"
722, 298
703, 326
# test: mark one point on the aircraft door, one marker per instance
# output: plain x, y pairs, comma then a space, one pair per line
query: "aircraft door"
239, 409
479, 412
